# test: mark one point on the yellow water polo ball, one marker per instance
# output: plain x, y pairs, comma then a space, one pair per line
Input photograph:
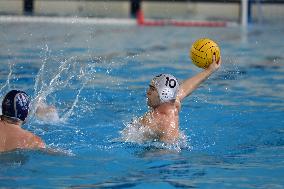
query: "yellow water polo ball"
202, 51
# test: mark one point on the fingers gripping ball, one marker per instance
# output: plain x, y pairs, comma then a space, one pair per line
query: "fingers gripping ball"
202, 51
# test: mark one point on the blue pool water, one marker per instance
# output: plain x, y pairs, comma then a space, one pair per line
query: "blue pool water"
97, 78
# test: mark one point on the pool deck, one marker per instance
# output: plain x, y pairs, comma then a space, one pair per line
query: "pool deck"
120, 9
67, 20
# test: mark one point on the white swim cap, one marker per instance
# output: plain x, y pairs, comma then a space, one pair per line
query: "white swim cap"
167, 86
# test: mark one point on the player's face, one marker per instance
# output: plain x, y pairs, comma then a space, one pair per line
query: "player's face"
153, 99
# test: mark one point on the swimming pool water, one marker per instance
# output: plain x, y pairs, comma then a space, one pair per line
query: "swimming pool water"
97, 77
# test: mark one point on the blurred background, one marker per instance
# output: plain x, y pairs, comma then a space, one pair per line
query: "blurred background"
229, 10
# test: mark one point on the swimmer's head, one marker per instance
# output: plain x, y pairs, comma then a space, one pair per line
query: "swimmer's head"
15, 105
167, 87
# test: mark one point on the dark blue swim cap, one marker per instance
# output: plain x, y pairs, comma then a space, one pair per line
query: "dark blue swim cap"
16, 105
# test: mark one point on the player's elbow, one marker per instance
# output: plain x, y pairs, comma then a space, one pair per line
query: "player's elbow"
40, 143
37, 143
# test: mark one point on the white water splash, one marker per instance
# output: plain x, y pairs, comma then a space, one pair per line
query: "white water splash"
7, 83
134, 132
70, 111
70, 70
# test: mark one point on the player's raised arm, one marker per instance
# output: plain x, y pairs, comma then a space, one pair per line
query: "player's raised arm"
204, 53
190, 84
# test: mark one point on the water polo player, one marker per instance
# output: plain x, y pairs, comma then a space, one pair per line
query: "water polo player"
164, 98
15, 109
